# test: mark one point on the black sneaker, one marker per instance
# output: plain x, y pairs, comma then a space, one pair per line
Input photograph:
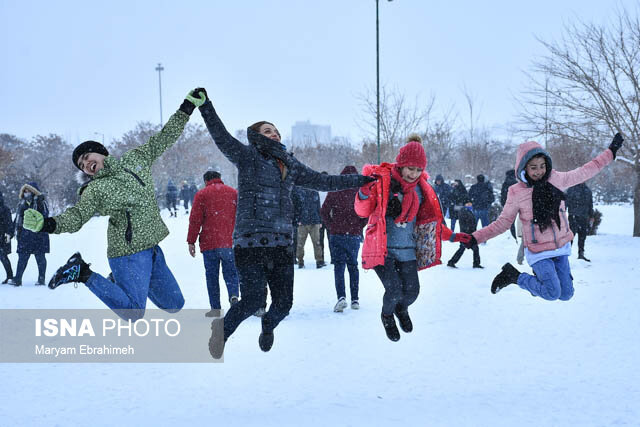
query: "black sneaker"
6, 281
405, 320
582, 257
320, 264
14, 282
507, 276
389, 323
477, 266
452, 265
75, 270
265, 341
301, 264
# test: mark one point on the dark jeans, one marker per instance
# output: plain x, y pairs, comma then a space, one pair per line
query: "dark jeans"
6, 264
401, 284
476, 254
344, 254
257, 268
212, 260
186, 203
579, 225
23, 258
481, 215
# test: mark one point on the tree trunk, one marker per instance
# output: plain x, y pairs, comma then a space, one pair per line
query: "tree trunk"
636, 203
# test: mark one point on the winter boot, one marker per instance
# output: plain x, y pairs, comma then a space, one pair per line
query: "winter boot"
75, 270
217, 341
320, 264
507, 276
7, 280
355, 305
301, 264
581, 256
477, 266
265, 341
340, 305
15, 282
389, 323
451, 264
405, 320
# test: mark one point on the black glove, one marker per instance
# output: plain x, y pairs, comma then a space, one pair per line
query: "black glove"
473, 242
616, 144
364, 179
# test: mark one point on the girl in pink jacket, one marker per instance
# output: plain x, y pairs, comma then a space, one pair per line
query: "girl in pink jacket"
539, 199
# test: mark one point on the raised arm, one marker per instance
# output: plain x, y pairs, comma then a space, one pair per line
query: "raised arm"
233, 149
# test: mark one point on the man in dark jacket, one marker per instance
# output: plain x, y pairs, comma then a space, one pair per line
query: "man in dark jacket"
172, 198
459, 196
213, 216
262, 237
468, 224
481, 195
443, 190
6, 234
185, 195
306, 205
345, 236
509, 180
580, 207
30, 243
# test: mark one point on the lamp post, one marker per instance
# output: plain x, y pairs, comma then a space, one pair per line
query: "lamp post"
159, 69
378, 80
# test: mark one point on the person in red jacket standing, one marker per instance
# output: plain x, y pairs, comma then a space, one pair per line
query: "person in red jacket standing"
213, 216
345, 236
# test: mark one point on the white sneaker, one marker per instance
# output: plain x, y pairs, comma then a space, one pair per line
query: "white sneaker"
355, 305
340, 306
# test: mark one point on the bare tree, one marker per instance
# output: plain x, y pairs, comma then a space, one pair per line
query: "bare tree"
587, 88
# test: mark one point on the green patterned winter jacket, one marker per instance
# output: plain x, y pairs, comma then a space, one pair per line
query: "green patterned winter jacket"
124, 191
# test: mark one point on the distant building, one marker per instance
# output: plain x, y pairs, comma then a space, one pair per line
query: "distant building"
307, 133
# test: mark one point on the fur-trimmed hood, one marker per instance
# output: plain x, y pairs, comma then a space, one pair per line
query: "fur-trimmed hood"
31, 187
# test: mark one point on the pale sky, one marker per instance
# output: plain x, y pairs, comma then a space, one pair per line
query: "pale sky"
78, 68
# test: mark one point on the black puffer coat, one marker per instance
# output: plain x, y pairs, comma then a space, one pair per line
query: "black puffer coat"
580, 201
509, 180
29, 242
6, 226
266, 176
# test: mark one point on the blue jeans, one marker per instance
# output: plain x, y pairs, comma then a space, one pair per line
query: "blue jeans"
23, 259
138, 276
344, 253
482, 215
552, 279
212, 260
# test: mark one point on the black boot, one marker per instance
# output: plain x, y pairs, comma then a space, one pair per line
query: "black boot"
75, 270
405, 320
265, 341
507, 276
389, 323
581, 256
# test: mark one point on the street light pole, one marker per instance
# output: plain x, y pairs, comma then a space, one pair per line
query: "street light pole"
159, 69
378, 80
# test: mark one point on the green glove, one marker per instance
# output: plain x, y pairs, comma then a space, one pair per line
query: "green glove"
33, 220
197, 97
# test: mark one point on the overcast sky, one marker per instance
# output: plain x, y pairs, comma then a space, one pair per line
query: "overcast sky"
77, 68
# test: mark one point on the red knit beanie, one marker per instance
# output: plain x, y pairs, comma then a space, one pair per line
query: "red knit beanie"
412, 154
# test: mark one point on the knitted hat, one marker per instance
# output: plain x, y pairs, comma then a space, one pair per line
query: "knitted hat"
412, 154
88, 147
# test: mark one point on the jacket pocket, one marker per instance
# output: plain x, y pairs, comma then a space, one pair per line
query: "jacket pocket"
128, 234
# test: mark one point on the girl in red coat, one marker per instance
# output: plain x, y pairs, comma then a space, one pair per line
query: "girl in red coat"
404, 230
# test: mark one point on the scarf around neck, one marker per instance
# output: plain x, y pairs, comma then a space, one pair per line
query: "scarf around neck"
410, 201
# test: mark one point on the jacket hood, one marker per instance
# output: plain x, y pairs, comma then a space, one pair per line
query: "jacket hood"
526, 151
480, 178
349, 170
32, 186
439, 178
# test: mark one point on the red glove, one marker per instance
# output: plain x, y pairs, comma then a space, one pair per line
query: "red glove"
462, 237
366, 189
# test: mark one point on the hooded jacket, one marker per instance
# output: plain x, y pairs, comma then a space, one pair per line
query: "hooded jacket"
28, 241
124, 191
338, 213
580, 201
213, 216
443, 190
429, 229
519, 201
509, 180
266, 176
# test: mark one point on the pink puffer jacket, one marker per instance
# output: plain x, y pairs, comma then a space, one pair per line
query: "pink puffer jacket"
519, 201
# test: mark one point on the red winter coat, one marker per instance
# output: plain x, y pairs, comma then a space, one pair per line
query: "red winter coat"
213, 216
429, 229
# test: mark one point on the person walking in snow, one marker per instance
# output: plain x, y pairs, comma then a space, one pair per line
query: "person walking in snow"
123, 190
481, 195
404, 230
345, 236
459, 197
185, 195
6, 234
262, 236
306, 204
172, 198
443, 190
213, 216
580, 207
539, 200
29, 243
468, 225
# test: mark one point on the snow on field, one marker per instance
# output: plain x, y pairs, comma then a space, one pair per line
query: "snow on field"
473, 359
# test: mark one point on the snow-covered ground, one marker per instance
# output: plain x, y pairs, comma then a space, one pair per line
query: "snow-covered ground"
474, 359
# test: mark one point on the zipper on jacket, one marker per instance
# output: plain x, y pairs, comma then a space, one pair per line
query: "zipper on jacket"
135, 176
128, 234
533, 233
